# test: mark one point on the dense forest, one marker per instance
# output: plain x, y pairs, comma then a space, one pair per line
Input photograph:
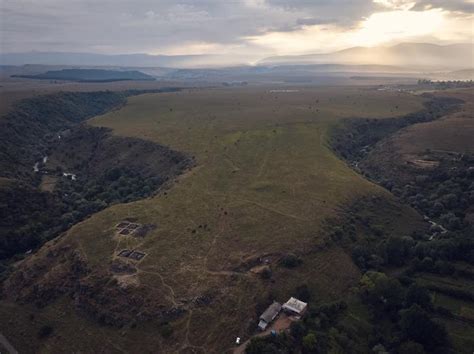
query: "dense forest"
444, 193
27, 131
354, 137
34, 123
91, 168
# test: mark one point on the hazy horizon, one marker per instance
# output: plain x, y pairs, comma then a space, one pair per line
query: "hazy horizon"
406, 56
236, 31
388, 45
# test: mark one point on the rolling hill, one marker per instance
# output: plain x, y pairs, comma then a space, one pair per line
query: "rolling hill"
265, 184
89, 75
407, 55
127, 60
413, 55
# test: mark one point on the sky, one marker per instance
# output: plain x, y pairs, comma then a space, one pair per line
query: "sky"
249, 29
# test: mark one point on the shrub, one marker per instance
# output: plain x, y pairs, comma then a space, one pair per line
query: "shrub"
166, 330
419, 327
420, 296
266, 273
290, 261
310, 342
411, 347
303, 293
297, 330
45, 331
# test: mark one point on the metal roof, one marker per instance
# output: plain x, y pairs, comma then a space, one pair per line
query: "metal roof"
262, 325
271, 312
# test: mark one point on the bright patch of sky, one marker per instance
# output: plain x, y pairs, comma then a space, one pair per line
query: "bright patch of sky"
249, 29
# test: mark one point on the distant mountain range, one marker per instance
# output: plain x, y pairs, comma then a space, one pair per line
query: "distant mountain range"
415, 56
124, 60
411, 55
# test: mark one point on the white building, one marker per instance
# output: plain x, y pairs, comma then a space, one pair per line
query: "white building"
295, 306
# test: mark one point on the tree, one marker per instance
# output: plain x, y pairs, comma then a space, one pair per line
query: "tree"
444, 267
290, 261
397, 249
297, 330
427, 264
419, 327
360, 255
260, 345
420, 296
382, 291
310, 342
166, 330
266, 273
303, 293
390, 292
45, 331
278, 344
411, 347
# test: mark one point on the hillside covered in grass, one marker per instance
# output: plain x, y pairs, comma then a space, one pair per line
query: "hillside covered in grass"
266, 185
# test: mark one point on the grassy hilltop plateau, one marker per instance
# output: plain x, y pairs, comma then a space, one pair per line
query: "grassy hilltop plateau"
166, 219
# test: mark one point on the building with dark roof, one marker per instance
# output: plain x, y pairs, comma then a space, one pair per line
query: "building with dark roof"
269, 315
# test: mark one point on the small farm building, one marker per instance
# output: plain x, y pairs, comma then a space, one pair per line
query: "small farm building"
295, 306
269, 315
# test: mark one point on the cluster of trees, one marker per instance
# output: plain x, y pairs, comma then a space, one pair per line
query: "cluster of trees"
400, 308
318, 331
117, 185
402, 315
443, 85
32, 217
29, 216
400, 302
408, 310
434, 256
363, 234
445, 194
354, 138
26, 214
26, 131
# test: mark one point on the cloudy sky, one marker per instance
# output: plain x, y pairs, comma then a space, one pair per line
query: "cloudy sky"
246, 28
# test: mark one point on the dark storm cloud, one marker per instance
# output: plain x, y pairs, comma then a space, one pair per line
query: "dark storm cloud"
145, 25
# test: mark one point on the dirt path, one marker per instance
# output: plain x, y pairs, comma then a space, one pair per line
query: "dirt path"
222, 226
7, 345
224, 272
273, 210
281, 324
187, 345
172, 296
